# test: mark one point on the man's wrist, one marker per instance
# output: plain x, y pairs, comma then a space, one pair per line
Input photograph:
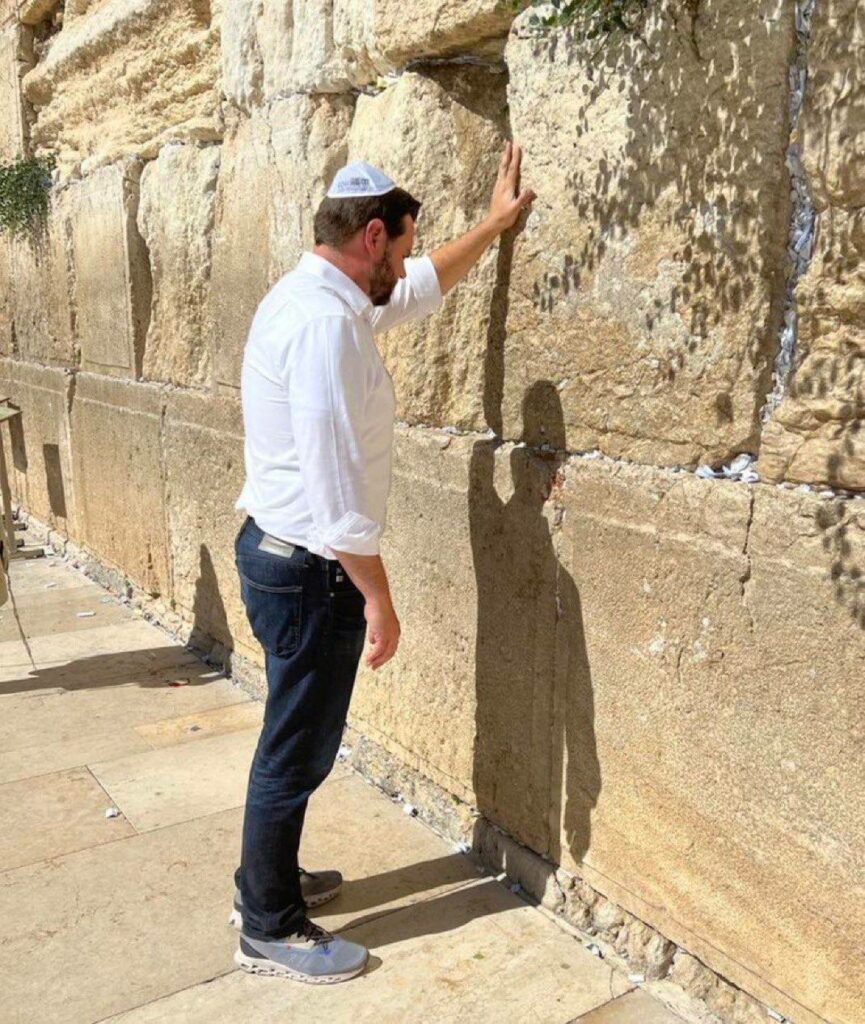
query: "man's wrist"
494, 226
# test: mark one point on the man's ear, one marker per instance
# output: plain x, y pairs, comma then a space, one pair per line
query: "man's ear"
375, 238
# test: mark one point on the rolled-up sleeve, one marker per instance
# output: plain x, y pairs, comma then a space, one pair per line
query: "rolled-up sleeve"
327, 385
415, 296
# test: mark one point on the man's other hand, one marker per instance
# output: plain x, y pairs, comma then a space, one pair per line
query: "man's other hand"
383, 632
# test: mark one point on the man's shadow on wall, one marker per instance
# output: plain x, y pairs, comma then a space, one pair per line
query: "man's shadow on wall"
536, 771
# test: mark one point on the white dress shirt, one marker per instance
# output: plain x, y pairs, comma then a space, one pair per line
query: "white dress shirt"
318, 405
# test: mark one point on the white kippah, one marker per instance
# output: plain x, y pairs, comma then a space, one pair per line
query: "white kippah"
359, 179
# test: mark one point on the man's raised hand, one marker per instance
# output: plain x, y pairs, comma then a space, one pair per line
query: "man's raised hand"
508, 201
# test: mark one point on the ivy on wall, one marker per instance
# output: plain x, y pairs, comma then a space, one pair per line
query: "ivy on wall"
24, 189
590, 17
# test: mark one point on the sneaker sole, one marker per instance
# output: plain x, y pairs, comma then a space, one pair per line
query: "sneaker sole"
236, 921
268, 968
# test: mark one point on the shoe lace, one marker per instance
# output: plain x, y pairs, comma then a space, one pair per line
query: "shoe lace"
315, 933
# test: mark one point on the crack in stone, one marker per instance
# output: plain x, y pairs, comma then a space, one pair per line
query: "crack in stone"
802, 218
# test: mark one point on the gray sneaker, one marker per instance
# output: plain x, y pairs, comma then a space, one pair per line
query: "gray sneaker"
314, 956
318, 887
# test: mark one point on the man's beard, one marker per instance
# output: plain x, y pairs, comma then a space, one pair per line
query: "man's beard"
382, 282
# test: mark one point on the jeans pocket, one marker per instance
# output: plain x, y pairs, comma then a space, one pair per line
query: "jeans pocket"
275, 615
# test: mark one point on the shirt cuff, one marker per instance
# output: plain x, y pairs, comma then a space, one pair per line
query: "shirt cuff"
424, 281
353, 533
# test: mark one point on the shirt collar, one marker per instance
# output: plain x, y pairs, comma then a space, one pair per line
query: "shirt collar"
334, 278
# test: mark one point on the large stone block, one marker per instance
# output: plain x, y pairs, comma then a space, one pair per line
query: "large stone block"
720, 725
150, 68
175, 218
275, 169
816, 435
16, 59
276, 47
421, 704
111, 290
648, 283
118, 471
435, 29
39, 291
440, 135
204, 472
38, 444
649, 678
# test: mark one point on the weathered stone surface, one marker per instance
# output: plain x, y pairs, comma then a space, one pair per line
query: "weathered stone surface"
111, 290
816, 435
716, 711
648, 282
440, 29
150, 68
421, 704
118, 477
275, 48
39, 462
175, 218
446, 154
16, 59
39, 291
204, 472
275, 169
623, 689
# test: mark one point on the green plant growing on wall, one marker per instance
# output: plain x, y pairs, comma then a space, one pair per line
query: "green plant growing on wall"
590, 17
24, 189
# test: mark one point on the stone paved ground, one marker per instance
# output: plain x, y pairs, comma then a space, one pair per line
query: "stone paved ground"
125, 918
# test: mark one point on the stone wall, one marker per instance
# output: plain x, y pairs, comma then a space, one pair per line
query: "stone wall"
645, 674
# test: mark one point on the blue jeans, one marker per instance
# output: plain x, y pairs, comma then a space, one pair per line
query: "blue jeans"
309, 617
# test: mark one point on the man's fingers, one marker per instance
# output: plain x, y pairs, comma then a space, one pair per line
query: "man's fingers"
514, 169
526, 198
505, 160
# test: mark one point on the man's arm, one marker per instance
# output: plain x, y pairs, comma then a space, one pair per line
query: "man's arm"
327, 399
368, 574
455, 259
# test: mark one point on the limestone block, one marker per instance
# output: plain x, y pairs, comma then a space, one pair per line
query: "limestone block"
816, 435
275, 169
40, 464
722, 724
111, 273
440, 135
204, 473
468, 700
39, 295
421, 704
832, 124
175, 218
16, 58
278, 47
7, 322
118, 477
648, 282
440, 29
150, 69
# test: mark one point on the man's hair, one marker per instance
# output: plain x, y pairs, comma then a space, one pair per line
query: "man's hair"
337, 220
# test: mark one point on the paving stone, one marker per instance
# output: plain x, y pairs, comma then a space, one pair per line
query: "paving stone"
48, 730
399, 862
174, 784
475, 954
54, 814
118, 925
635, 1007
213, 722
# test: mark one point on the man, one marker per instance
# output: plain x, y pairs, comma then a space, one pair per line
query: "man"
318, 408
